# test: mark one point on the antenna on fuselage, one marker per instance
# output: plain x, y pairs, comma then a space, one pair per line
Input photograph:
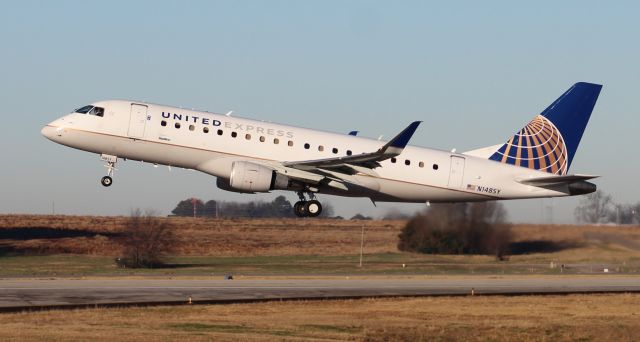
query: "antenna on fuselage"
380, 137
229, 113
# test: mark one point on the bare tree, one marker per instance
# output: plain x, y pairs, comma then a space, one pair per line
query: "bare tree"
625, 213
147, 239
595, 207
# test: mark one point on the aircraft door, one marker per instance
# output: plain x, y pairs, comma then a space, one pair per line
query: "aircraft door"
456, 173
137, 121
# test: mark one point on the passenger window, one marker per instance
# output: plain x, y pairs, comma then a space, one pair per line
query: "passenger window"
192, 127
205, 129
320, 148
290, 143
219, 132
262, 139
407, 162
177, 125
393, 160
335, 150
349, 152
247, 136
234, 134
420, 164
276, 141
163, 123
306, 146
435, 166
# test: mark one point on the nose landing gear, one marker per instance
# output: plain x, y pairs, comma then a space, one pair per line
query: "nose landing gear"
111, 167
106, 181
310, 208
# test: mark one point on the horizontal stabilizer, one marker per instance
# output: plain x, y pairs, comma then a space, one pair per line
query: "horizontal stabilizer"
556, 180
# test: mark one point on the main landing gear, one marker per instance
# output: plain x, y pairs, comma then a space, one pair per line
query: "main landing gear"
310, 208
111, 167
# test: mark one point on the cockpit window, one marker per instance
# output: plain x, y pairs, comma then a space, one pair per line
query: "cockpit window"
97, 111
91, 110
84, 110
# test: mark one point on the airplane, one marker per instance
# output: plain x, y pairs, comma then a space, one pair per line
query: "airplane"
251, 156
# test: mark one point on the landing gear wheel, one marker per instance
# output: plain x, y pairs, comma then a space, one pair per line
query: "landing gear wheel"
313, 208
111, 167
300, 209
106, 181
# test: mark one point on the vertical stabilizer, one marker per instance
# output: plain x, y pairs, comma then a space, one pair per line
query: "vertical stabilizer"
549, 142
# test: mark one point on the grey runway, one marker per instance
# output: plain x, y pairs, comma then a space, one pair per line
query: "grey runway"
60, 293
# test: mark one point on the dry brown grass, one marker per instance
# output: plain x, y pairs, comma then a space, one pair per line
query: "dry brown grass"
480, 318
587, 243
275, 237
211, 237
570, 232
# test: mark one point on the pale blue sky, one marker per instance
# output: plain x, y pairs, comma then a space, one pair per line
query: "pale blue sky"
474, 72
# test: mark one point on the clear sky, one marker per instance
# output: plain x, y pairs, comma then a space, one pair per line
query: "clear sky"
475, 72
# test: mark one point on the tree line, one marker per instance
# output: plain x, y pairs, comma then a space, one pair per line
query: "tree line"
599, 207
279, 207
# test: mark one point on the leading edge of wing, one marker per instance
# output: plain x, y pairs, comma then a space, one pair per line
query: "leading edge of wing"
370, 160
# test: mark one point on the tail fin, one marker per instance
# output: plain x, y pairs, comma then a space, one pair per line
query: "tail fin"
549, 142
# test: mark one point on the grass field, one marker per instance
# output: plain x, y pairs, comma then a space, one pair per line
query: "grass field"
478, 318
34, 245
83, 246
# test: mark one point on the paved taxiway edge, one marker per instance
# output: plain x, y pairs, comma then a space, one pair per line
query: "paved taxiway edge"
31, 295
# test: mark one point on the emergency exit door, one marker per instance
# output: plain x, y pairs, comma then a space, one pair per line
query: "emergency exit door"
456, 172
137, 121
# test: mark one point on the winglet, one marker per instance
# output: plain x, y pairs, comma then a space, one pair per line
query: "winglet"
400, 141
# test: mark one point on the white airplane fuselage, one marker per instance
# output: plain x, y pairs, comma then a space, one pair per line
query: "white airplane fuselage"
211, 143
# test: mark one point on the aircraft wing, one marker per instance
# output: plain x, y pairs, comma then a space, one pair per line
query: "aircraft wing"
369, 160
556, 180
336, 172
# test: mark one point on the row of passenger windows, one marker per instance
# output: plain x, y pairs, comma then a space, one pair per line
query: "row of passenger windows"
408, 162
276, 141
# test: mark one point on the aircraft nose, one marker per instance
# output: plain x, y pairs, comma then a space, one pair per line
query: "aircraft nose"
49, 132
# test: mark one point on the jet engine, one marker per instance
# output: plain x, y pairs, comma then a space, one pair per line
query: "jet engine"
251, 177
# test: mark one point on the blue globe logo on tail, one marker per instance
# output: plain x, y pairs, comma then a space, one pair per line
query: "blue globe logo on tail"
539, 145
550, 141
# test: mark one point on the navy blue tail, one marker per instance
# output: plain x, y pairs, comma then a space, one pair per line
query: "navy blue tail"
549, 142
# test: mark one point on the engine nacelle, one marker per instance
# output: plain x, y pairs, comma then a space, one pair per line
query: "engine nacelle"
223, 184
252, 177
